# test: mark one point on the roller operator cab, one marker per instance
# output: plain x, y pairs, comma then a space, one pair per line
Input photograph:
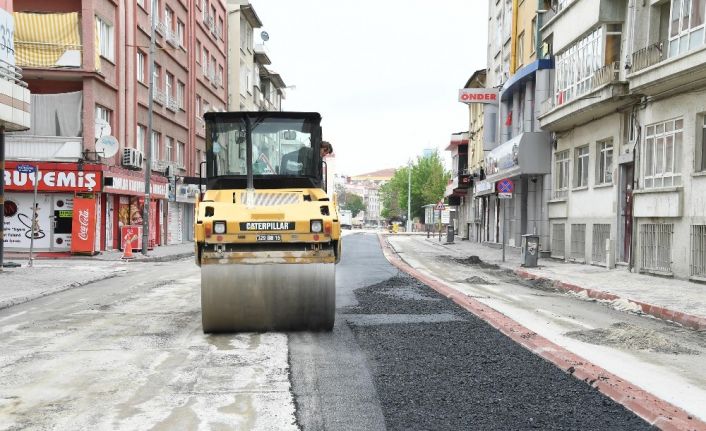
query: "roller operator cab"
267, 236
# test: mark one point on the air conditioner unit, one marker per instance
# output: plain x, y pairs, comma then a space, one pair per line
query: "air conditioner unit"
132, 158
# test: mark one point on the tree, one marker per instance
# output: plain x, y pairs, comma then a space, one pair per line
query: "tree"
429, 179
353, 203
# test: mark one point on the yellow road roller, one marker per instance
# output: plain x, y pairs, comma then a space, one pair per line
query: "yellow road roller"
267, 235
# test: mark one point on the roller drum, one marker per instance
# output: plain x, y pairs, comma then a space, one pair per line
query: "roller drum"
264, 297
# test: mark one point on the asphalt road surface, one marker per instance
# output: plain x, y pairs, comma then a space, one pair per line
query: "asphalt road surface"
128, 353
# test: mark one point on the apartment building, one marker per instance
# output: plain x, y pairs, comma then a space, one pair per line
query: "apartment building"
253, 85
456, 193
367, 186
522, 151
628, 115
90, 77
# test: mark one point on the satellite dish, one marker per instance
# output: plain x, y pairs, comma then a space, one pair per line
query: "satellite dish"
102, 128
107, 146
265, 36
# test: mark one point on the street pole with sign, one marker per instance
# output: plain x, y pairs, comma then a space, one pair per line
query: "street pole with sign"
35, 170
505, 188
2, 197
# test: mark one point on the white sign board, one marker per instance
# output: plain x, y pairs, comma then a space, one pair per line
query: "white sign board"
478, 95
445, 217
504, 195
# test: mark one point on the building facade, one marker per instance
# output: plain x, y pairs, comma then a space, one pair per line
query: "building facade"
627, 112
90, 77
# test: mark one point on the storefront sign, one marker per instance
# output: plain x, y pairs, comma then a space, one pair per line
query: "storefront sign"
83, 230
119, 184
504, 157
52, 177
484, 188
478, 95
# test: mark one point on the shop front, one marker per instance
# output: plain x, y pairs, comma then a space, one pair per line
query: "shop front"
180, 216
525, 160
124, 200
46, 222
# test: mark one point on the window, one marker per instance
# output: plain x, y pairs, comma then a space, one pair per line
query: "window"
220, 76
577, 65
533, 36
244, 35
204, 62
140, 137
248, 80
520, 50
154, 146
140, 66
212, 19
180, 154
686, 26
197, 161
581, 167
561, 174
662, 154
181, 32
105, 39
243, 78
103, 113
204, 9
169, 86
212, 70
181, 90
168, 145
702, 157
169, 19
604, 175
157, 76
198, 50
198, 106
219, 29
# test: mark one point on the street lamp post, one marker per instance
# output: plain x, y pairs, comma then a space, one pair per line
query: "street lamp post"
409, 196
148, 148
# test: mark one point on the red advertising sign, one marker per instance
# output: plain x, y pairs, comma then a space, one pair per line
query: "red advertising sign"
478, 95
83, 227
131, 234
53, 177
134, 184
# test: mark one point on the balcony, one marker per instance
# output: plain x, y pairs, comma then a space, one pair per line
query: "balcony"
576, 17
48, 41
596, 96
159, 96
653, 73
43, 148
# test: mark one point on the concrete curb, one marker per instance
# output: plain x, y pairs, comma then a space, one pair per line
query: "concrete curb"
140, 259
687, 320
17, 301
653, 410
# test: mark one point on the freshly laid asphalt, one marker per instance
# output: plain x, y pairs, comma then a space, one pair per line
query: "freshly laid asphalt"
429, 364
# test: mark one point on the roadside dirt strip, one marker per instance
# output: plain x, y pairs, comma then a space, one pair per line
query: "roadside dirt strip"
687, 320
650, 408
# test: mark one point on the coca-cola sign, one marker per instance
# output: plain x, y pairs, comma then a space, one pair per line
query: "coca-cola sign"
83, 226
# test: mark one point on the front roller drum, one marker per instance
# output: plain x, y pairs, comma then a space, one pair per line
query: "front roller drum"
268, 297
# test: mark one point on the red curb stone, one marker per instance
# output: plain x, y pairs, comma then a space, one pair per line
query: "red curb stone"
653, 410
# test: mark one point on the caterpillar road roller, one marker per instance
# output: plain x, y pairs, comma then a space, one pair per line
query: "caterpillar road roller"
267, 236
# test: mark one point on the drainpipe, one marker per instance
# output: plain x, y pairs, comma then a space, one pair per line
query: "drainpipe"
513, 38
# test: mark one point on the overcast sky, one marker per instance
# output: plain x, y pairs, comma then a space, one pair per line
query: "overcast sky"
384, 74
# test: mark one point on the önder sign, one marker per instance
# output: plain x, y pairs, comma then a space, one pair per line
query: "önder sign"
478, 95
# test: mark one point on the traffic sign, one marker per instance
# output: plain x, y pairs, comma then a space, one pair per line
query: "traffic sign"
504, 195
505, 186
440, 206
25, 169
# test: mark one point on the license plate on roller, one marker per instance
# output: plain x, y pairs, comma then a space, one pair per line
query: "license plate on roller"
269, 238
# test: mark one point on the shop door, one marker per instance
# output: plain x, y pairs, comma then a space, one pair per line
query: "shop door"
63, 207
625, 217
109, 222
19, 223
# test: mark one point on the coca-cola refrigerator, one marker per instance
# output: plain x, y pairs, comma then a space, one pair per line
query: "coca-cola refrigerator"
83, 226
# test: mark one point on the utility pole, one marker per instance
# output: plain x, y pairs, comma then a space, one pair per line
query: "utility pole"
409, 196
2, 196
148, 148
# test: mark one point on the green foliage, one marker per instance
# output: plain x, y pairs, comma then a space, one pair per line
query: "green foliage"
349, 201
429, 181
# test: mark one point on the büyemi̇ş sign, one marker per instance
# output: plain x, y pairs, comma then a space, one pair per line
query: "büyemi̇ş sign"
478, 95
52, 178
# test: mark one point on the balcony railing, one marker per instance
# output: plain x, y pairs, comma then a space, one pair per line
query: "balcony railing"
159, 96
646, 57
47, 55
12, 73
21, 146
606, 75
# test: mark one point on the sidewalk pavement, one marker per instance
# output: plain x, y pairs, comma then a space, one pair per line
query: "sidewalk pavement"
675, 300
52, 275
